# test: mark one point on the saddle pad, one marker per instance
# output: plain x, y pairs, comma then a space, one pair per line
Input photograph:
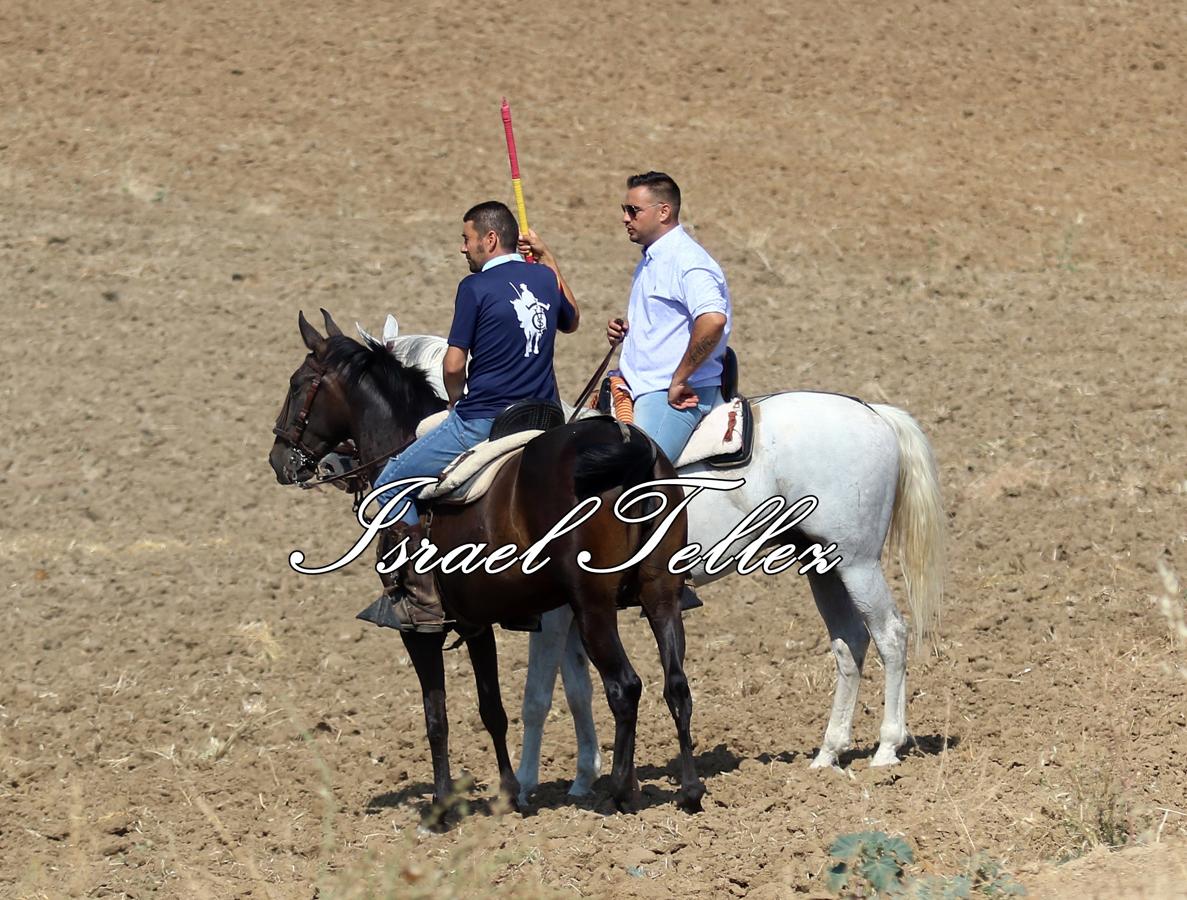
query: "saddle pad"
470, 475
428, 423
717, 434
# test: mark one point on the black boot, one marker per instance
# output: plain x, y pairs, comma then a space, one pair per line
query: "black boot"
409, 601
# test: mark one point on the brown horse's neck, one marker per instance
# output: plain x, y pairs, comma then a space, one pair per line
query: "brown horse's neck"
377, 434
380, 428
385, 398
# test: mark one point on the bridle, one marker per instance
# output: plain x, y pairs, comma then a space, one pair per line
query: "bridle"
306, 458
292, 434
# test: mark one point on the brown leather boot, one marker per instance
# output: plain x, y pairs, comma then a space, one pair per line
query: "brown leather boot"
409, 601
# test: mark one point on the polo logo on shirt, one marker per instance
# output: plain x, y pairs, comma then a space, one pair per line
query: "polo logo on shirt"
532, 320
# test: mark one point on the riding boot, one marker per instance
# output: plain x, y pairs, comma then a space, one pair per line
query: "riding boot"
410, 601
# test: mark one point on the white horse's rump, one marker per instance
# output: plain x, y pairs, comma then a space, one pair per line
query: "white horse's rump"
873, 473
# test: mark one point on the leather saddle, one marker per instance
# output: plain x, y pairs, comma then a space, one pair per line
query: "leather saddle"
470, 474
724, 439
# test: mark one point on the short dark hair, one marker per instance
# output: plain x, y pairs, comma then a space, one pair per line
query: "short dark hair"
662, 187
494, 216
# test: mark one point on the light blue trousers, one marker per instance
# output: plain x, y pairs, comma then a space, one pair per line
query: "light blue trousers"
430, 455
668, 427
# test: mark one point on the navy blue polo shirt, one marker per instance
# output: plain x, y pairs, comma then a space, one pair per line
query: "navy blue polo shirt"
507, 317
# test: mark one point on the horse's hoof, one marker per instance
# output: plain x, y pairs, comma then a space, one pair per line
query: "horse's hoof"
628, 803
433, 822
885, 756
581, 788
825, 759
626, 806
690, 800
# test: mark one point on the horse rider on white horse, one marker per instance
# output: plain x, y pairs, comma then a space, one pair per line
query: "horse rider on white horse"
678, 317
869, 467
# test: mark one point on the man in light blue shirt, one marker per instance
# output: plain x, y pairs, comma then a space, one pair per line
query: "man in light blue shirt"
678, 318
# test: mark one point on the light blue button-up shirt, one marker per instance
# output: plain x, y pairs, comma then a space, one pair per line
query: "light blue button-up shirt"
499, 260
675, 281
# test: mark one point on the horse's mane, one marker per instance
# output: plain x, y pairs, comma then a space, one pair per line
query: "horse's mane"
425, 352
404, 385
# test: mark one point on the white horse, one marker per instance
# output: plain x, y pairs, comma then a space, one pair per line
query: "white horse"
874, 476
873, 472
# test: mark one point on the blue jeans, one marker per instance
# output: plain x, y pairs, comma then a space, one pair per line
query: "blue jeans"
668, 427
430, 454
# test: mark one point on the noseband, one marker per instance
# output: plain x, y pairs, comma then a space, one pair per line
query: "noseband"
306, 458
292, 435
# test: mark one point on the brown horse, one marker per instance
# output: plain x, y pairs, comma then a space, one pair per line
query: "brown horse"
344, 390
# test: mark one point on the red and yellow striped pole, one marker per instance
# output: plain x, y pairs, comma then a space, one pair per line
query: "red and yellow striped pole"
516, 184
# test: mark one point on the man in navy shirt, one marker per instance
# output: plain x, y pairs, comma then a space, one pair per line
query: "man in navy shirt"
505, 319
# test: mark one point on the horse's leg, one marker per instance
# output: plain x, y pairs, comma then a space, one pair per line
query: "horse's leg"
545, 648
872, 598
579, 694
485, 658
425, 651
599, 632
663, 612
849, 640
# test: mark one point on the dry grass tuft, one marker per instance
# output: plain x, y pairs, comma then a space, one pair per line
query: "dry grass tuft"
260, 641
418, 867
413, 870
1098, 812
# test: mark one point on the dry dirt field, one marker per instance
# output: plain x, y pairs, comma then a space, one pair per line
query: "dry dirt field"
976, 211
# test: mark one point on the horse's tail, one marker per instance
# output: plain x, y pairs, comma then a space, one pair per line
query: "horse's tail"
917, 525
619, 464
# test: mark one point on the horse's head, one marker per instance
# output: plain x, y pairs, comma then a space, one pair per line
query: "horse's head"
315, 417
342, 390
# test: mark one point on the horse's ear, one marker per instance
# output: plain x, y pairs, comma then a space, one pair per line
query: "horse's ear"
313, 340
331, 326
391, 330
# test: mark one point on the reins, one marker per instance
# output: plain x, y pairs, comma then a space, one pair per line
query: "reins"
293, 435
361, 467
593, 381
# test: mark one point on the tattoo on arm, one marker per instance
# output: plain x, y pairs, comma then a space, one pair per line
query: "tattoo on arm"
700, 350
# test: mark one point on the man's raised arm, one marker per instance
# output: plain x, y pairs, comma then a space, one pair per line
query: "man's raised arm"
533, 244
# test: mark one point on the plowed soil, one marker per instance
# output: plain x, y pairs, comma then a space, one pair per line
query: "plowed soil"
973, 211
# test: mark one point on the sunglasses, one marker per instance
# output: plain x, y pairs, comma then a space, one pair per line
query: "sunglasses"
633, 211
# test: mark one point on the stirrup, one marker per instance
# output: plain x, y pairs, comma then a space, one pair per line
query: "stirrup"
383, 612
689, 599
